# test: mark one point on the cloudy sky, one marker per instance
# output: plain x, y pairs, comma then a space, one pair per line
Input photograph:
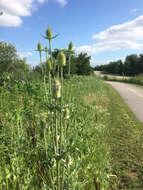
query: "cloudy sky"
106, 30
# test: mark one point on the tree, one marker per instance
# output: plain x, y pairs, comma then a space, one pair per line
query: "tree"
80, 64
10, 61
8, 56
83, 64
140, 64
131, 64
120, 67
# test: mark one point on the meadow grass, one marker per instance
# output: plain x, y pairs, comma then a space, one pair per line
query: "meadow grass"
27, 159
103, 148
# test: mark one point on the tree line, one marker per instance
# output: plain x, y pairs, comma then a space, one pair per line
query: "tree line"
80, 64
133, 65
12, 64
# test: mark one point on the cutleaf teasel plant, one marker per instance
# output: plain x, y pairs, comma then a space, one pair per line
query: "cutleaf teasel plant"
58, 114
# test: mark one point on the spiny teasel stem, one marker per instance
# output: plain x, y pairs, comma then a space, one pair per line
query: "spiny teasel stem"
50, 51
61, 114
46, 51
58, 175
69, 65
70, 49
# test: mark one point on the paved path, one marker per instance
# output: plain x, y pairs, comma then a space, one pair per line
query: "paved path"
133, 97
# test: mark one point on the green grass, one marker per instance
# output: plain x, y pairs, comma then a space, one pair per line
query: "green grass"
26, 155
136, 80
126, 143
104, 147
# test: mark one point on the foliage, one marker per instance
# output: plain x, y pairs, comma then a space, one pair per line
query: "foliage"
76, 64
27, 157
11, 63
133, 65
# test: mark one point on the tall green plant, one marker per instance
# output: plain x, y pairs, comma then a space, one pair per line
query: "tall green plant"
58, 113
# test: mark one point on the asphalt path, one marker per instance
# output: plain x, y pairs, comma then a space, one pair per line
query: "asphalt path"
133, 97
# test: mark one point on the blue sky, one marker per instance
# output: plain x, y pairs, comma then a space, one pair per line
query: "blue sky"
106, 30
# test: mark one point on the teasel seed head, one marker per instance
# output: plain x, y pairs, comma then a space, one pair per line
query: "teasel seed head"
57, 88
70, 48
62, 59
39, 46
67, 113
49, 34
49, 65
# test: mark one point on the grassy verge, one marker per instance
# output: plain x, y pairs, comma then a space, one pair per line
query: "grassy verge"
126, 143
104, 144
137, 80
27, 162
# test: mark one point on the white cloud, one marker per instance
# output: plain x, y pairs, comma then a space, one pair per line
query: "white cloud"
10, 20
128, 35
132, 30
25, 54
109, 46
13, 10
62, 2
17, 7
